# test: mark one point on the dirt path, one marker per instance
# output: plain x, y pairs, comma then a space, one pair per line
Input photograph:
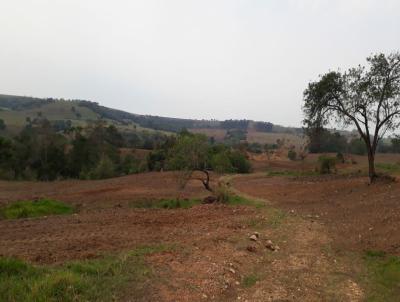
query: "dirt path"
305, 268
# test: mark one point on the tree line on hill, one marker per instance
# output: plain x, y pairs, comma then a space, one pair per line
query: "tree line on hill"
41, 151
20, 103
324, 141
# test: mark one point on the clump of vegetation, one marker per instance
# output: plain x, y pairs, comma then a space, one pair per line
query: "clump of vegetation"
236, 200
327, 164
102, 279
383, 276
388, 167
293, 173
194, 152
292, 155
35, 208
340, 157
165, 203
104, 169
46, 151
250, 280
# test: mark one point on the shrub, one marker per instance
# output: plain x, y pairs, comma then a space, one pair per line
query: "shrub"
326, 164
239, 162
104, 169
292, 155
340, 157
221, 163
130, 165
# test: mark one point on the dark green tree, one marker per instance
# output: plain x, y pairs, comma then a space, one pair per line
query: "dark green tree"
2, 125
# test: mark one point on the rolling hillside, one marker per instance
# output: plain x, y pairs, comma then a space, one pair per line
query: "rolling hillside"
18, 111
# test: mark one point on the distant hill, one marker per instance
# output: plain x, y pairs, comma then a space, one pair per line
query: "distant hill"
17, 111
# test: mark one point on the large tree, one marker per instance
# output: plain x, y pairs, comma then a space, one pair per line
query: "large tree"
366, 97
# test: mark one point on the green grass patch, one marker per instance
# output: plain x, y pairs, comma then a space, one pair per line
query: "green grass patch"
236, 200
164, 203
383, 276
388, 168
104, 279
250, 280
291, 173
35, 208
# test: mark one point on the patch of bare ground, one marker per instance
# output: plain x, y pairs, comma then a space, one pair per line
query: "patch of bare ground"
358, 216
304, 268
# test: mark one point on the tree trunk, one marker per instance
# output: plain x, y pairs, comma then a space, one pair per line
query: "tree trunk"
206, 182
371, 165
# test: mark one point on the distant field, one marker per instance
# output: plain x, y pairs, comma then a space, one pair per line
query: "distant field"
218, 134
255, 137
271, 138
61, 110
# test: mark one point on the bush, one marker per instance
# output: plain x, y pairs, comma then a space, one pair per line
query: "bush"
130, 165
292, 155
221, 163
104, 169
326, 164
239, 162
340, 157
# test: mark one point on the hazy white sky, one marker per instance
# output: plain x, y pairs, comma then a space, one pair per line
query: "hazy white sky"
196, 59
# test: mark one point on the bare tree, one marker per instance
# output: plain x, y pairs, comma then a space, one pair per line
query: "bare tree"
368, 98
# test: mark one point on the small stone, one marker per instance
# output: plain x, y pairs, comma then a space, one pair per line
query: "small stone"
232, 271
269, 245
251, 249
257, 234
253, 237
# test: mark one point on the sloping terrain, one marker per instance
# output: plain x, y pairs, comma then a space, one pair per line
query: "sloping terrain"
359, 216
17, 111
211, 256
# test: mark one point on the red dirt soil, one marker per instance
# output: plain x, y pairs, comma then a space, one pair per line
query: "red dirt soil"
205, 236
94, 194
359, 216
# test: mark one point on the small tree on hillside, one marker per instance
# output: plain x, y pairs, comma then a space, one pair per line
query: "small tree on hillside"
368, 98
190, 154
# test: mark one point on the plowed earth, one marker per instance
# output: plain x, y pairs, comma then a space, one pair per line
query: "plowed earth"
212, 260
358, 216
